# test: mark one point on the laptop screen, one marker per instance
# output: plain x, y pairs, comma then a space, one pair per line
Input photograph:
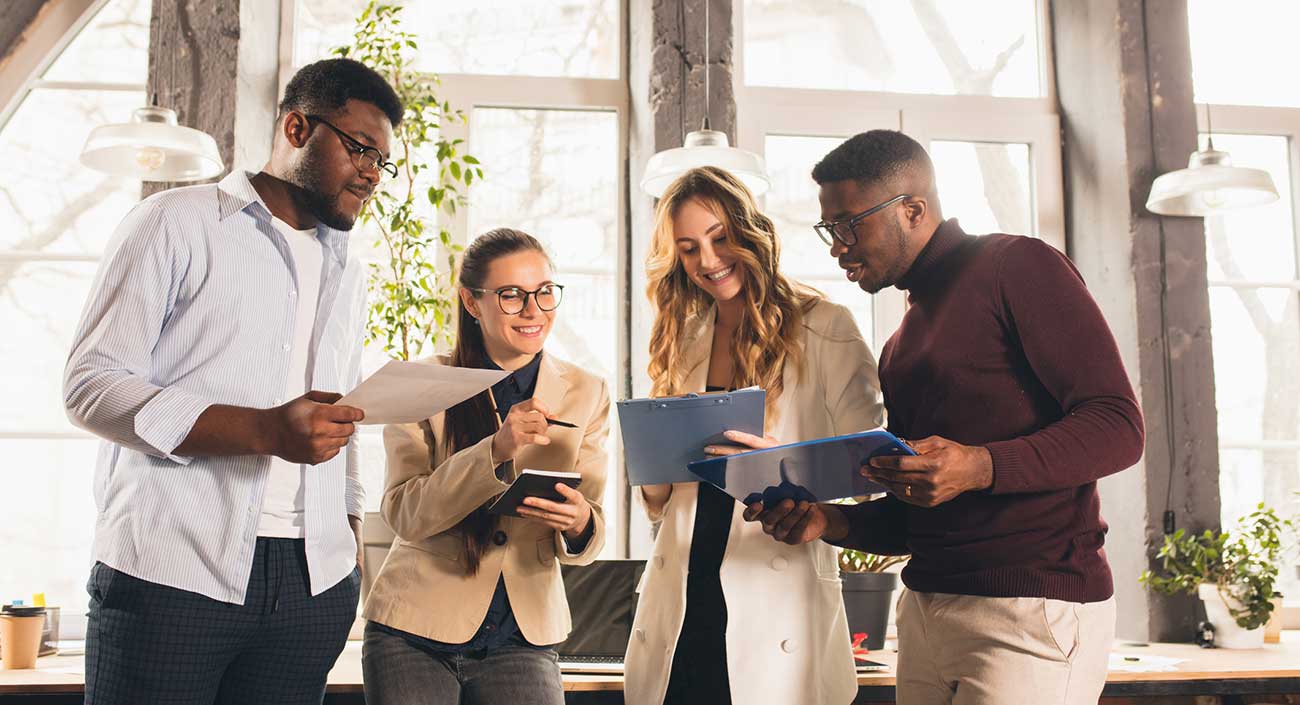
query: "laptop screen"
602, 601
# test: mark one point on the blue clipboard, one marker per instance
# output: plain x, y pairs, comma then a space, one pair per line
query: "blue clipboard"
661, 436
815, 471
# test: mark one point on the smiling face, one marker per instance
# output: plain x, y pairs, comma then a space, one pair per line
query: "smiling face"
704, 252
512, 339
882, 254
331, 187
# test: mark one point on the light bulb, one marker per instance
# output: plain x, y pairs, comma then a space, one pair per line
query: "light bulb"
1214, 198
150, 158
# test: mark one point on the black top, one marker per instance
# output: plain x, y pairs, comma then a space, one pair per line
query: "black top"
699, 672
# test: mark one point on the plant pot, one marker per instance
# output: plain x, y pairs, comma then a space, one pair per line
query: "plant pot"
867, 598
1227, 633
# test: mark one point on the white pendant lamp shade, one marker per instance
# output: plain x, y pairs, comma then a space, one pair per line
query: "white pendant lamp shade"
1210, 184
153, 147
704, 148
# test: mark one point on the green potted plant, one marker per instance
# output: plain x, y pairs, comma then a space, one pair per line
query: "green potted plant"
1232, 572
412, 298
868, 594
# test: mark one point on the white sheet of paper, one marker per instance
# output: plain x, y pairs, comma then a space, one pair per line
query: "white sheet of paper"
1142, 663
406, 392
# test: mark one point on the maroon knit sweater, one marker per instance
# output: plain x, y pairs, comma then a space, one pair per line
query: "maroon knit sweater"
1002, 346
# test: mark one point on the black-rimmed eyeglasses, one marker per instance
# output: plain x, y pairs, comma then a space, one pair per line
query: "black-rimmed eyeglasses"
364, 157
514, 300
845, 231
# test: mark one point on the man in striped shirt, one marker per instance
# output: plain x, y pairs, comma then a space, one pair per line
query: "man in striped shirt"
222, 326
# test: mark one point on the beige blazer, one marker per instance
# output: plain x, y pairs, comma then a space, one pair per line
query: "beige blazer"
787, 638
423, 587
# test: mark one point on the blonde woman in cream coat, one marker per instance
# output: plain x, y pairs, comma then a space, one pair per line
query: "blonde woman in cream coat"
732, 615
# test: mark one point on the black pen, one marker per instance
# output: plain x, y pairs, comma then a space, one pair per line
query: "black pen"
562, 424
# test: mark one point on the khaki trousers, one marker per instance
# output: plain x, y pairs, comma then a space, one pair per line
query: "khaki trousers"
967, 650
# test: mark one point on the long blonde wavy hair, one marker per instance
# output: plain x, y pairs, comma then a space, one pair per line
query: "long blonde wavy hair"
769, 336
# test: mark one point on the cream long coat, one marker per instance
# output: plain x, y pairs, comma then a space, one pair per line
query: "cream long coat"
423, 588
787, 638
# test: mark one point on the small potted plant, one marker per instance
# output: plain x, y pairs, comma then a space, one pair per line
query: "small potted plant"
868, 593
1232, 572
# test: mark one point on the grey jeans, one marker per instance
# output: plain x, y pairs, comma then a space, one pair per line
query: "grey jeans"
397, 672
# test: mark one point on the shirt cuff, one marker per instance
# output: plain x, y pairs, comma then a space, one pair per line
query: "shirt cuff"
166, 419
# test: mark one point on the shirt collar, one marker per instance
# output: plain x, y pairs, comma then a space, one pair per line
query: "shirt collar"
235, 193
520, 380
948, 237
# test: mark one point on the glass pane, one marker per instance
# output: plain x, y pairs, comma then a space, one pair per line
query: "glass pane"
1248, 477
792, 206
943, 46
113, 48
578, 38
554, 174
987, 186
1254, 243
1256, 334
40, 303
57, 205
1236, 44
49, 525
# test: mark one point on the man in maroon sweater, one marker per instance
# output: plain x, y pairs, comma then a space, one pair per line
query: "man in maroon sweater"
1007, 381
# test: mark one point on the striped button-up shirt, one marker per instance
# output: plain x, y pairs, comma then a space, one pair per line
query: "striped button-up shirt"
195, 305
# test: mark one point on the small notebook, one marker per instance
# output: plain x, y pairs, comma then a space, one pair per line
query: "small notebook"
533, 483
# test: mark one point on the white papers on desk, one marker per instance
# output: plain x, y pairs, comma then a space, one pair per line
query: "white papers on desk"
1142, 663
406, 392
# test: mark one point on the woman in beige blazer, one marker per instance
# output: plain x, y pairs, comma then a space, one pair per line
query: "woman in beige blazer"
727, 614
467, 604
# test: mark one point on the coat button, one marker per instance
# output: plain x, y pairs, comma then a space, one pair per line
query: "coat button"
779, 563
789, 646
499, 538
640, 635
659, 561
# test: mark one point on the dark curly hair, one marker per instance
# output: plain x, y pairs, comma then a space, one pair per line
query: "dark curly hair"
872, 157
325, 86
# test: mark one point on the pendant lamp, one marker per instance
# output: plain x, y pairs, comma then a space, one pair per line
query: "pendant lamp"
153, 147
705, 147
1210, 185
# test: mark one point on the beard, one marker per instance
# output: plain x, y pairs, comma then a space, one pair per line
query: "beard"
314, 197
896, 267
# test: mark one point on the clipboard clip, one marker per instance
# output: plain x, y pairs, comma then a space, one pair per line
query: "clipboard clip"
690, 400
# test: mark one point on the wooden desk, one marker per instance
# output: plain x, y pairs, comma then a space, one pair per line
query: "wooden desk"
1274, 669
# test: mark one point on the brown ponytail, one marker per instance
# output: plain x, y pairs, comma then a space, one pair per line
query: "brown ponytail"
474, 419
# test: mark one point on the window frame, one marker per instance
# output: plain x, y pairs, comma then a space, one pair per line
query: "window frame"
764, 111
48, 38
1272, 122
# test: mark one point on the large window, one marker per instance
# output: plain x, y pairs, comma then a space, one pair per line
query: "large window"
967, 80
541, 84
55, 220
1252, 258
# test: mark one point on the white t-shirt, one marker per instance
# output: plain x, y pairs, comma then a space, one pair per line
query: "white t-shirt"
282, 502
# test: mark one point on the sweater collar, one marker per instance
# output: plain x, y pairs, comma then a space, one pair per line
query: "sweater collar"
946, 238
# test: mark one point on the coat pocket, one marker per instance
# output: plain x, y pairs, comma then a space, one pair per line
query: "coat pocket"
546, 550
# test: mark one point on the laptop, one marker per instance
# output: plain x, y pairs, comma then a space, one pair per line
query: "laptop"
602, 601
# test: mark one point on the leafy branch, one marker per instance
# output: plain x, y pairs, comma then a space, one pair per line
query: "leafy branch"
1243, 564
412, 299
